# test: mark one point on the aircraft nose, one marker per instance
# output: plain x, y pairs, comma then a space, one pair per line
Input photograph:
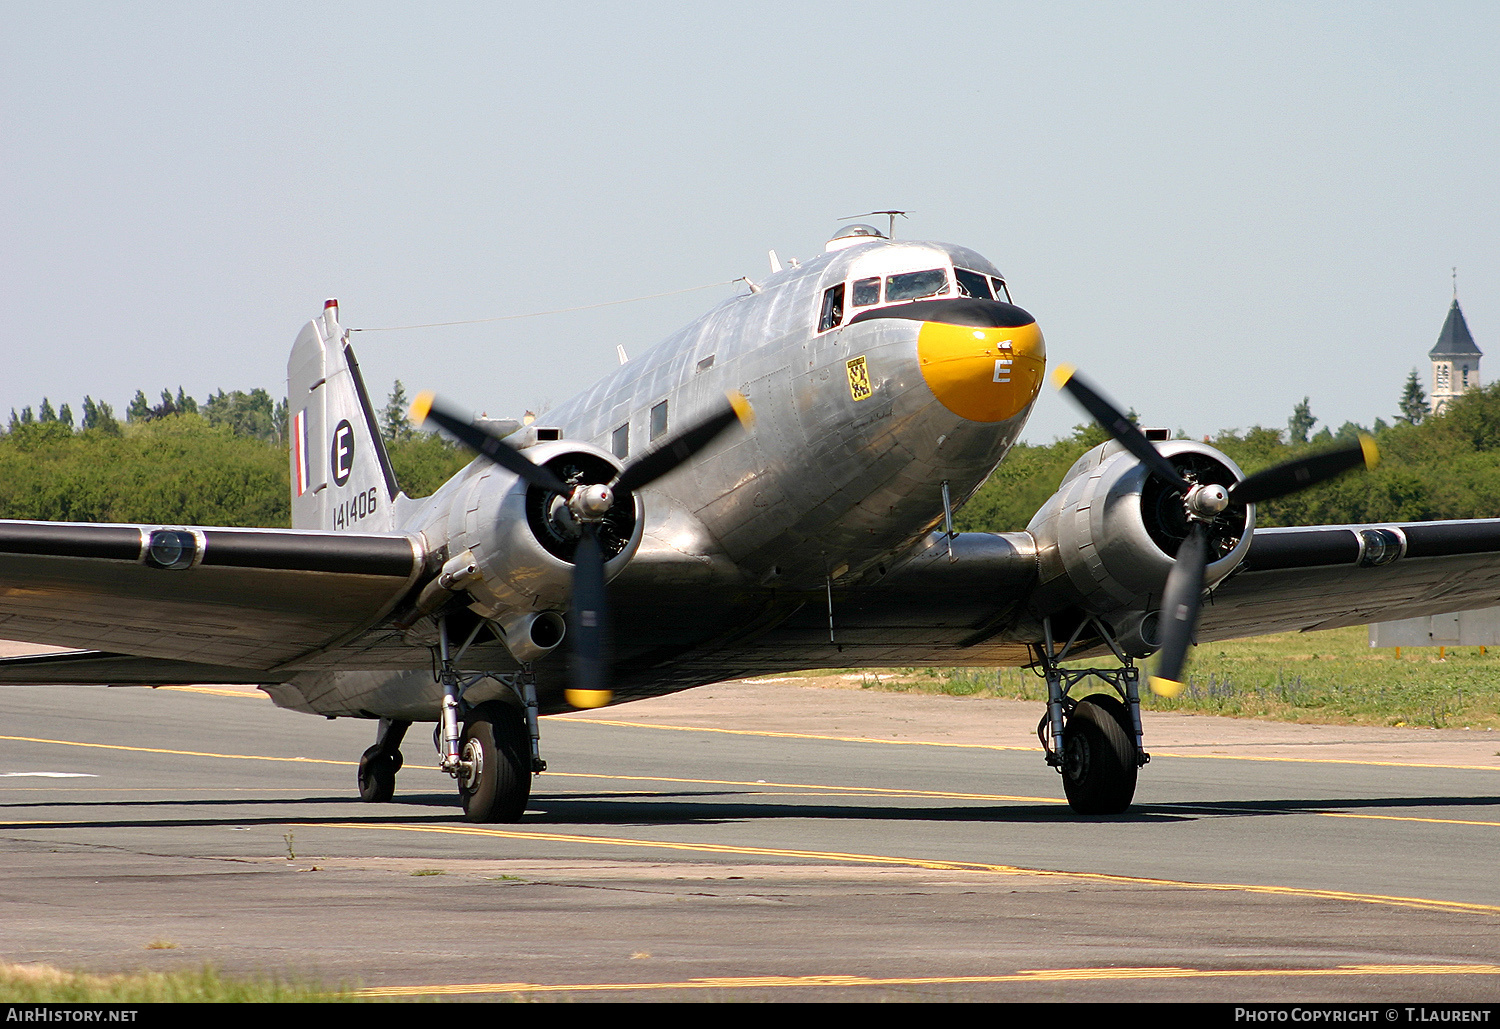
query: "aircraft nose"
980, 372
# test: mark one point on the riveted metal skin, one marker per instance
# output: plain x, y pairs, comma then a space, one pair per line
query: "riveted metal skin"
828, 478
485, 512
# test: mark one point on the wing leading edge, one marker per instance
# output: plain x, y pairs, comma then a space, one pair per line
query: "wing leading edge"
1329, 576
227, 598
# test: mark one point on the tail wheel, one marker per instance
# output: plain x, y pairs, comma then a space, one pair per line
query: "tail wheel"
496, 751
377, 775
1098, 764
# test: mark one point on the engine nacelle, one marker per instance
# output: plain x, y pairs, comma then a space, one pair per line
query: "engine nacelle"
523, 538
1107, 538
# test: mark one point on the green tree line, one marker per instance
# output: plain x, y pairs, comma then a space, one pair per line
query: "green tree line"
219, 462
1430, 467
224, 462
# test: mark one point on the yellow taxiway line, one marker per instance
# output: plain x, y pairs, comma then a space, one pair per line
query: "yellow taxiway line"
1039, 975
843, 791
219, 691
179, 753
1421, 903
863, 790
1028, 749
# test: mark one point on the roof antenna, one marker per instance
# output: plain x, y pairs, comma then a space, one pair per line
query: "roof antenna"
891, 231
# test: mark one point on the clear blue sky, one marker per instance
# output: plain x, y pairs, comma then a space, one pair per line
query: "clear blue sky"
1212, 209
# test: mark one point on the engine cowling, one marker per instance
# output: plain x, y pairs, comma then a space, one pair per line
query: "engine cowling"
1107, 538
523, 538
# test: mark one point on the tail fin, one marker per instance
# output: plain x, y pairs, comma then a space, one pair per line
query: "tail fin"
341, 474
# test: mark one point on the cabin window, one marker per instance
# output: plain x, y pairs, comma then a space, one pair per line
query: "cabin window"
972, 284
916, 285
619, 443
866, 291
1001, 292
707, 363
833, 308
658, 420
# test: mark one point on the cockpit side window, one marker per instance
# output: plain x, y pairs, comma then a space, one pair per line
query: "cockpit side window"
1001, 292
972, 284
833, 308
916, 285
867, 291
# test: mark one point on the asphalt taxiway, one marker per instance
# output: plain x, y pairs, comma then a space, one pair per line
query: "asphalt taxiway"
760, 840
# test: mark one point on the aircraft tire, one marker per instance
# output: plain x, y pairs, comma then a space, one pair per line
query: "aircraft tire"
377, 775
1112, 704
496, 738
1098, 761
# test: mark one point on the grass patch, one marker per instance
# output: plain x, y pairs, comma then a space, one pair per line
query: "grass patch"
1332, 677
429, 871
43, 984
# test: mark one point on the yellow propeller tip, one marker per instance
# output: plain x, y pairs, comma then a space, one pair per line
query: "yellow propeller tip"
742, 409
1372, 452
585, 699
421, 406
1062, 373
1166, 687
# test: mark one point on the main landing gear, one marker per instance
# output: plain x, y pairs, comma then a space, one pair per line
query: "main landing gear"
1095, 743
491, 749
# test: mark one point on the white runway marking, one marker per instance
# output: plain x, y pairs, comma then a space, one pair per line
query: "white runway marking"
49, 775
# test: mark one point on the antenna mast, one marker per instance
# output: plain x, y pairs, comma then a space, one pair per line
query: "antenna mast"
890, 232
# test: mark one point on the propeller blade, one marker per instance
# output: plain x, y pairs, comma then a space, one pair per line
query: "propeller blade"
662, 459
425, 409
1118, 426
1180, 601
588, 624
1304, 472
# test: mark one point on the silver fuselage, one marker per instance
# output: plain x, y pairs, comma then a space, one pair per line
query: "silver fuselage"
858, 429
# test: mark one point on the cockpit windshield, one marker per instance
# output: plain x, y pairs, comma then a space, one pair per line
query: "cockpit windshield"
972, 284
916, 285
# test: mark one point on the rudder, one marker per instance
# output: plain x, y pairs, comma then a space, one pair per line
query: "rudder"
341, 474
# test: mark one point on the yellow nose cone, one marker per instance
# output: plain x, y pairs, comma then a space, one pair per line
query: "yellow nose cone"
980, 373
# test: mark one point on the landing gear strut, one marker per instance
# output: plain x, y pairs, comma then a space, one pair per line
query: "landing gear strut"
494, 751
1095, 743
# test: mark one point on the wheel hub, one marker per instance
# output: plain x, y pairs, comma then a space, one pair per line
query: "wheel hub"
1075, 764
471, 766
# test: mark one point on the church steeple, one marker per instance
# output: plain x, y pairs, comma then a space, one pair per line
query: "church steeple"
1455, 359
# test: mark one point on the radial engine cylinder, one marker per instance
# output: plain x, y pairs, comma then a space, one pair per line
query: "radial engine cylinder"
523, 538
1107, 538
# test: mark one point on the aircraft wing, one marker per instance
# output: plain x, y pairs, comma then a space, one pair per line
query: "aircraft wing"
1327, 576
971, 608
166, 603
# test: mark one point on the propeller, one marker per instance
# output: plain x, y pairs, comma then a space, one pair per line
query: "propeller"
1182, 597
589, 504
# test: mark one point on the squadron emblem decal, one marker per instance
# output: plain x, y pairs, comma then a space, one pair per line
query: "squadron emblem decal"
859, 379
341, 460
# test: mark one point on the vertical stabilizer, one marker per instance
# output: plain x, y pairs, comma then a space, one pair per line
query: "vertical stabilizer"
341, 474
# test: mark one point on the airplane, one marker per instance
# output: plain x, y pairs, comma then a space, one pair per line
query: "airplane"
770, 489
